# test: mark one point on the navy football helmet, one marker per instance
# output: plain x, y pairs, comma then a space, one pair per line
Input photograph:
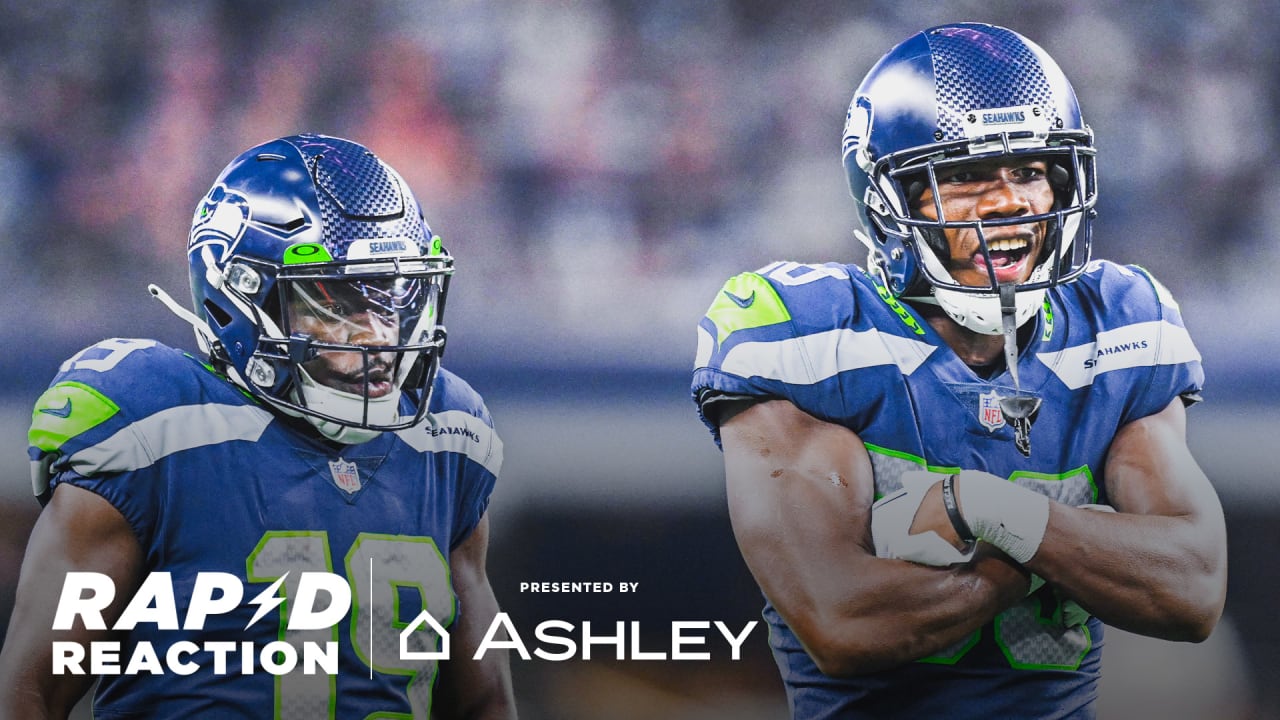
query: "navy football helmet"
958, 94
318, 286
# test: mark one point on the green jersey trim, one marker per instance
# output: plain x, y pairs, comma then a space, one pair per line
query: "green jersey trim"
66, 410
746, 301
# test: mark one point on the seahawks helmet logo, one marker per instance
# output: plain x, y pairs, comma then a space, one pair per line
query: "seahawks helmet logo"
219, 222
857, 128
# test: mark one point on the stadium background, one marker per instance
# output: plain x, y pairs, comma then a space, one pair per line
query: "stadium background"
598, 169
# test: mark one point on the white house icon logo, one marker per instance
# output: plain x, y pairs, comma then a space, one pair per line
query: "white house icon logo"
424, 618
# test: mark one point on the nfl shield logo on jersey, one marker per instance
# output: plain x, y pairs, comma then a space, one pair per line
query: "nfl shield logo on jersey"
989, 412
347, 477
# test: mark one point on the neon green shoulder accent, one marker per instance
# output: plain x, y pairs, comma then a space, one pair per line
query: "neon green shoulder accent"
897, 308
1048, 320
222, 376
306, 253
746, 301
65, 411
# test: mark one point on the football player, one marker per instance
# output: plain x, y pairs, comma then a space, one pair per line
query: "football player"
315, 433
947, 471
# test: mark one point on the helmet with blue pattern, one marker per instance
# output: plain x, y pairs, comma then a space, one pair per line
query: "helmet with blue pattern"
318, 286
955, 94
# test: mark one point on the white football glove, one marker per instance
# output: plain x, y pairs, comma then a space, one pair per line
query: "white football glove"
891, 519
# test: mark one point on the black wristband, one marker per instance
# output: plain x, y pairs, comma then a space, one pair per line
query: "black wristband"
953, 510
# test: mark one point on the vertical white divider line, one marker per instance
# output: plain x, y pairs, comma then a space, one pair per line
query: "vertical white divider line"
370, 617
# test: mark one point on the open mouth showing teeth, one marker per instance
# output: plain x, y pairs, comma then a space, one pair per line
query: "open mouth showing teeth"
1006, 253
1009, 258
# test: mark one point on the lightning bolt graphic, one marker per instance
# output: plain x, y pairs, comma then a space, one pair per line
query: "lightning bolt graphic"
267, 601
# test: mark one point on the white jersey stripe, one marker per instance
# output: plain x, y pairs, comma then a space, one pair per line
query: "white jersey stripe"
459, 432
813, 358
171, 430
1138, 345
706, 346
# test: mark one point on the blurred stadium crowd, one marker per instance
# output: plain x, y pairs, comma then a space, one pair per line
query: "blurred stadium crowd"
567, 150
598, 169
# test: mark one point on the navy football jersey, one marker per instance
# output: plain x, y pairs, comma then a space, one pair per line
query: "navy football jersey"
1104, 350
210, 480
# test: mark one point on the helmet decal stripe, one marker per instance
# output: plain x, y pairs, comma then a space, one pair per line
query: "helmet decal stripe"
306, 253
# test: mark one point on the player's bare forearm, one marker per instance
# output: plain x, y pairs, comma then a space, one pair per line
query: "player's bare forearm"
898, 612
474, 689
78, 531
20, 700
800, 494
31, 692
1147, 574
1155, 567
1158, 566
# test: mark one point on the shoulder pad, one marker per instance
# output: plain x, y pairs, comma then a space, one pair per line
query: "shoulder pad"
99, 413
89, 386
782, 292
746, 301
1162, 292
451, 392
458, 423
1129, 292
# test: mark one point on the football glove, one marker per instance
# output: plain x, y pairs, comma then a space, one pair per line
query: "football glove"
891, 519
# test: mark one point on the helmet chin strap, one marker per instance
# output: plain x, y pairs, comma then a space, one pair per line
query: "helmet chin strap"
332, 401
1009, 326
336, 403
204, 334
344, 434
1020, 410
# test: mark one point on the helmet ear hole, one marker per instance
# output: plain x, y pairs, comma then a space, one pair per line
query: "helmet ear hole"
219, 316
1060, 180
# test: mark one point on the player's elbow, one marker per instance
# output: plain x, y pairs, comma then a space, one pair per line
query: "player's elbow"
29, 699
851, 653
1199, 632
1197, 622
1192, 614
841, 661
1206, 596
1189, 626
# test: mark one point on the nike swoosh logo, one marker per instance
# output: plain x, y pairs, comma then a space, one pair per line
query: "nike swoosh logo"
62, 412
743, 303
